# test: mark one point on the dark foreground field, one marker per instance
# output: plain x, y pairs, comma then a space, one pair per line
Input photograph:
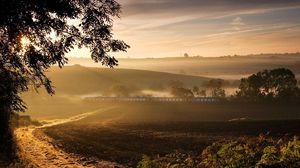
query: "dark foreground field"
127, 131
126, 144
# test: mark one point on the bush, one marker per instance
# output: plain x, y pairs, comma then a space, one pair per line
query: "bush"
259, 152
173, 160
146, 162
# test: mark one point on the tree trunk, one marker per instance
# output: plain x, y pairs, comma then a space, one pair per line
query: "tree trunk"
6, 135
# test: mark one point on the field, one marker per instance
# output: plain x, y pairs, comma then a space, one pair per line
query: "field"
127, 131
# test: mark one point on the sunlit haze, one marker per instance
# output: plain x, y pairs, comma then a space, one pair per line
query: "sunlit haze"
169, 83
165, 28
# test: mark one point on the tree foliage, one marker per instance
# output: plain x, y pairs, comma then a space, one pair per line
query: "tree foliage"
82, 23
178, 90
279, 84
216, 87
199, 92
21, 66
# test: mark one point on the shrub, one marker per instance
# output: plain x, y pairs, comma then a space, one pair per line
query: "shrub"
146, 162
259, 152
173, 160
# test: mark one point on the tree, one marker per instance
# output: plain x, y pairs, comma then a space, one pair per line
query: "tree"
198, 92
182, 92
249, 88
215, 85
202, 93
279, 84
23, 64
186, 55
218, 92
178, 90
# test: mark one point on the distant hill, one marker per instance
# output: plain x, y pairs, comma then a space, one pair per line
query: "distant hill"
73, 83
228, 67
78, 80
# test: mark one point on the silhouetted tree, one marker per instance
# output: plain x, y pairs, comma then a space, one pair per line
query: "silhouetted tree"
186, 55
182, 92
279, 84
215, 85
198, 92
202, 93
218, 92
22, 64
178, 90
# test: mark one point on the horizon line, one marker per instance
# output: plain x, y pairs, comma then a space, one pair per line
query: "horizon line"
199, 56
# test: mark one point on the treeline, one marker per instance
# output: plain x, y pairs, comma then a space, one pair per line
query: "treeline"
268, 85
212, 88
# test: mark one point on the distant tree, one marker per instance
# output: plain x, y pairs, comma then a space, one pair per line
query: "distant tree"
250, 88
202, 93
27, 50
198, 92
182, 92
279, 84
186, 55
218, 92
178, 89
215, 86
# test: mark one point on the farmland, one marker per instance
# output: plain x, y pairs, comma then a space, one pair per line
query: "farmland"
125, 132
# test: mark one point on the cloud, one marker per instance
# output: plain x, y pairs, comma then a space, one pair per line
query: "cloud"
171, 8
159, 28
154, 14
237, 23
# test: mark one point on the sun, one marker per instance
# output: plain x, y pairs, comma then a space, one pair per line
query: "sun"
25, 42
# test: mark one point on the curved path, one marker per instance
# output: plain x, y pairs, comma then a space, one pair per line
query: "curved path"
41, 153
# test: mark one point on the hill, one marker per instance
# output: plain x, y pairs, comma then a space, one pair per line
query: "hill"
79, 80
73, 83
225, 67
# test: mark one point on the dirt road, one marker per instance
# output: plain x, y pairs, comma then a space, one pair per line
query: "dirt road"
42, 154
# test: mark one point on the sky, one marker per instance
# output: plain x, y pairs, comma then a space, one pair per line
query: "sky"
170, 28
